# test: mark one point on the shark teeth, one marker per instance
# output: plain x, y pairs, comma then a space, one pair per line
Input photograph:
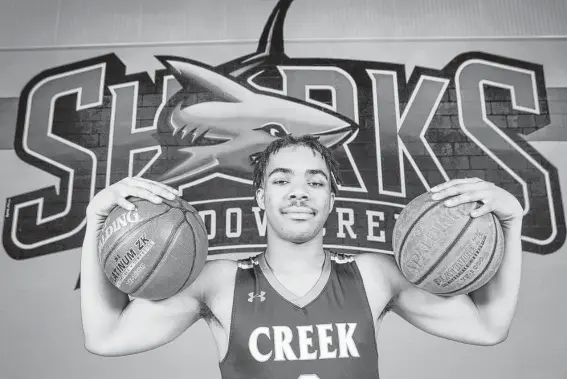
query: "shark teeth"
197, 137
180, 129
196, 134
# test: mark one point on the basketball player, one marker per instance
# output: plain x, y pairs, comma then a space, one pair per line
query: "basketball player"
297, 311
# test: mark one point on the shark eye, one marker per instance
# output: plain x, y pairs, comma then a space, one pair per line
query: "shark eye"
275, 130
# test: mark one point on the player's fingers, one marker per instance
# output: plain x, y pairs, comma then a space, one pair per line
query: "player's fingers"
467, 197
153, 188
125, 204
140, 192
453, 182
484, 209
459, 189
164, 186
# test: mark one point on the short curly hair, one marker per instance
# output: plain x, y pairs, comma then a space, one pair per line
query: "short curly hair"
312, 142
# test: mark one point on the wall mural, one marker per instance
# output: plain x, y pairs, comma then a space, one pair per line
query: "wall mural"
199, 128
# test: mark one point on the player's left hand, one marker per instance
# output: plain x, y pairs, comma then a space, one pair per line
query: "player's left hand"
494, 199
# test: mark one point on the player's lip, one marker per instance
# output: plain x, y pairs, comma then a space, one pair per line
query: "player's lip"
298, 210
298, 213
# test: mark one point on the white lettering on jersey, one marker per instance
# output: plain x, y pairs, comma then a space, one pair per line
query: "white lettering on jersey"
325, 341
284, 340
253, 344
282, 344
305, 343
347, 347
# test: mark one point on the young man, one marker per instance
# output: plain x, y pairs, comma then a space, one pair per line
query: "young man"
297, 311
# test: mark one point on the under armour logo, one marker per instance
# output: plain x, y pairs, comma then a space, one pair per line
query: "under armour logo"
261, 296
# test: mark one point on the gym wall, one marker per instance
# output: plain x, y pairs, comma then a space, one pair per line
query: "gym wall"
57, 149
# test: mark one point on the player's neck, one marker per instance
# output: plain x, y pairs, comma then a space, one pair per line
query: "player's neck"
285, 256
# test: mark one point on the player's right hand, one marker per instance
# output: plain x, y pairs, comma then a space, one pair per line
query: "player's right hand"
116, 195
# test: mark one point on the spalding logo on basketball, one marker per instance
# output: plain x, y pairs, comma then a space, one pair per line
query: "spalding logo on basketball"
154, 251
444, 250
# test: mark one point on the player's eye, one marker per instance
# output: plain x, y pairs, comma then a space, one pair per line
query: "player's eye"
316, 184
280, 181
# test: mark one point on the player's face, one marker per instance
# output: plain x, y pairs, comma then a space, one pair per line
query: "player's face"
296, 194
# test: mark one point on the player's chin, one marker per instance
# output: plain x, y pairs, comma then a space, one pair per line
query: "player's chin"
299, 222
300, 238
301, 232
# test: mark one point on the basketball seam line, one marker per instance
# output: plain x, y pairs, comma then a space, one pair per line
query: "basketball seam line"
447, 250
192, 211
411, 229
134, 229
487, 265
176, 205
197, 218
163, 251
194, 258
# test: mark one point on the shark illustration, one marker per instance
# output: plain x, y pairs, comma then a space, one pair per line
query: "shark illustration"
229, 123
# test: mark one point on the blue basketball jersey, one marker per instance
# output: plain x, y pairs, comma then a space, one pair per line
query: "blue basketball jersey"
326, 334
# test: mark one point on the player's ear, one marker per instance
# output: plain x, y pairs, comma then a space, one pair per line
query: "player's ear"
260, 198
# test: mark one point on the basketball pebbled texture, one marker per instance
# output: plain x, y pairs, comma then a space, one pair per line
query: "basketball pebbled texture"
154, 251
444, 250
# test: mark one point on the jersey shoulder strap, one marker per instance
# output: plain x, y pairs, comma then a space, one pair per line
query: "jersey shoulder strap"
341, 258
248, 263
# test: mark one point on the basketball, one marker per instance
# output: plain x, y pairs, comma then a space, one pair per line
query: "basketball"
444, 250
154, 251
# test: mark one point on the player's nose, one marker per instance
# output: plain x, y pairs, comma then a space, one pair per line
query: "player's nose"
298, 192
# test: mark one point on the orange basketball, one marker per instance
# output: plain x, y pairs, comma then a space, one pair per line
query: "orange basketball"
154, 251
443, 249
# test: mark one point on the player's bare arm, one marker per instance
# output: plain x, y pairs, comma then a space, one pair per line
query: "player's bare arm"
112, 323
482, 317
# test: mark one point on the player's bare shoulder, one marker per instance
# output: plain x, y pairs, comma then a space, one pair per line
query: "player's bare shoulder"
217, 277
379, 273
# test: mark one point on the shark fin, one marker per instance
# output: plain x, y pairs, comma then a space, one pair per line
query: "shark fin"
190, 74
270, 45
272, 39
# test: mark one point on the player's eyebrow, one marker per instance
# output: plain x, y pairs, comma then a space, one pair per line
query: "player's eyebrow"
283, 170
310, 172
317, 172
